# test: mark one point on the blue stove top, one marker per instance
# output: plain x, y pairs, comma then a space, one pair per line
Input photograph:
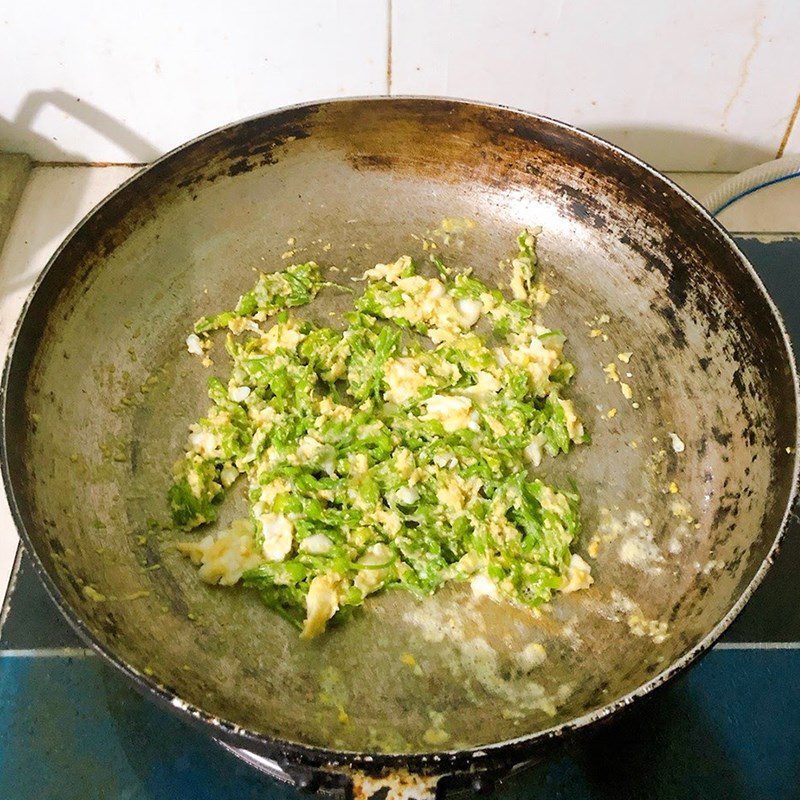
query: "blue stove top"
71, 728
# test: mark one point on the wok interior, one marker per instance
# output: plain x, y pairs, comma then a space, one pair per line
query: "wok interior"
99, 405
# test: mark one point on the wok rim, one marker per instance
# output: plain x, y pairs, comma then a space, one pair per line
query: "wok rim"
511, 751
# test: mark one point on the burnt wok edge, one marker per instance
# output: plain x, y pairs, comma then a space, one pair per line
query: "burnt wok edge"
495, 756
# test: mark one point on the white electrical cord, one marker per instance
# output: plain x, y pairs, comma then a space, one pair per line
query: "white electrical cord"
751, 180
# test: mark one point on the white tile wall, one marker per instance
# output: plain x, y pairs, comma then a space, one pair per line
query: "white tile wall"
685, 85
105, 81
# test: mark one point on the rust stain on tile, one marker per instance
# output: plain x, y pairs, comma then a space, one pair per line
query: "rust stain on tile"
788, 132
744, 71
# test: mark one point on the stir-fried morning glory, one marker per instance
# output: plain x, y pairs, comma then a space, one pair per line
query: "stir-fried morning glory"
395, 452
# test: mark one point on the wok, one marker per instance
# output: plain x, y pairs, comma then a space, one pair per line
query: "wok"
98, 392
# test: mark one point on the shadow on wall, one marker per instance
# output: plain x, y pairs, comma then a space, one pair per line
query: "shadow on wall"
48, 219
18, 134
681, 150
670, 149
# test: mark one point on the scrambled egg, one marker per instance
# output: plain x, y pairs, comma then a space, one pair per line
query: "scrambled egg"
452, 411
322, 602
225, 558
579, 575
404, 378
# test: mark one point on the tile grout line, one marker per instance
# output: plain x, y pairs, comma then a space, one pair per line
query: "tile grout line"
139, 164
48, 652
757, 646
85, 652
389, 67
388, 47
92, 164
786, 234
788, 132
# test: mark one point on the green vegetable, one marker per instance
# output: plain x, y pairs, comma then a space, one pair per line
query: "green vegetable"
292, 287
524, 266
194, 493
375, 460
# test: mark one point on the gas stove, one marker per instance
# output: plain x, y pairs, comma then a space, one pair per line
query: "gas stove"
71, 728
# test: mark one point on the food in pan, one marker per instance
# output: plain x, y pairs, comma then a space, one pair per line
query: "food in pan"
398, 451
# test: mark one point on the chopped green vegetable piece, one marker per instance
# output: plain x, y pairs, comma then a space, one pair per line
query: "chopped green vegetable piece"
294, 286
